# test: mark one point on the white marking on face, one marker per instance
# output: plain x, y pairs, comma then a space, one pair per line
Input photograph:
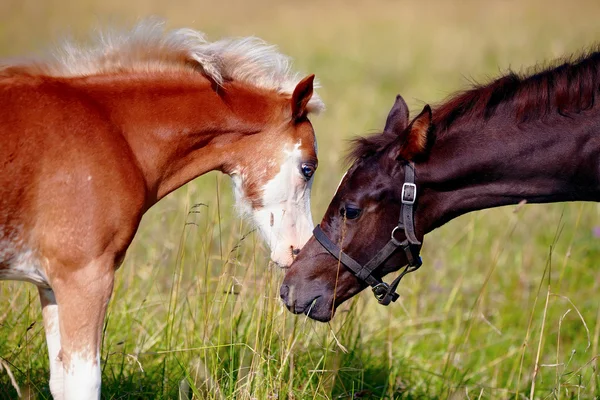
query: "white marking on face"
21, 263
82, 376
285, 220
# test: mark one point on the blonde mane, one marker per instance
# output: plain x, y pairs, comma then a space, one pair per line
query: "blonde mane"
148, 47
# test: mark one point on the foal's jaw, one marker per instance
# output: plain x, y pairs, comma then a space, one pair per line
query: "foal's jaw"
315, 285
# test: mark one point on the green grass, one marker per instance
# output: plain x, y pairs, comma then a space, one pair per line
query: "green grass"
501, 290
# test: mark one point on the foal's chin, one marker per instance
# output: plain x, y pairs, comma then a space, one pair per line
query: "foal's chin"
321, 310
282, 257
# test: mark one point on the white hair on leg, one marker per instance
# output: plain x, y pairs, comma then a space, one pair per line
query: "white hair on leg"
51, 326
83, 376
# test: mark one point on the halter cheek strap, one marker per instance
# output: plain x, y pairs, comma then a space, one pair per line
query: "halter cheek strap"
385, 293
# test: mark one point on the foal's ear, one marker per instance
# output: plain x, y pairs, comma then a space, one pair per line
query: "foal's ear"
301, 96
413, 141
397, 119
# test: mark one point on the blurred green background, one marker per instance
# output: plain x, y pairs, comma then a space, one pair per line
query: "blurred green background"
196, 310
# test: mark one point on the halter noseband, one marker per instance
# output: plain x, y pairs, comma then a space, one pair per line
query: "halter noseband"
385, 293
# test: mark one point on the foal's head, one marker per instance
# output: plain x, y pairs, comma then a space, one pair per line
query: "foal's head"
360, 218
272, 180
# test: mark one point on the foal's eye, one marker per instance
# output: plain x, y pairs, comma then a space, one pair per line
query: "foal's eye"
350, 212
307, 170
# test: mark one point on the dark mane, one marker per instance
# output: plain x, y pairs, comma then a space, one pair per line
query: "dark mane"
569, 87
363, 147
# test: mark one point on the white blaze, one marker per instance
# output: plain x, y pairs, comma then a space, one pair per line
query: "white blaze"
285, 219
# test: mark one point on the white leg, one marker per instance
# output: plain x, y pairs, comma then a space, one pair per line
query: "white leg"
82, 376
50, 314
82, 298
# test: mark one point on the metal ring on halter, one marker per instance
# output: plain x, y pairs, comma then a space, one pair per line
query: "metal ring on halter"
394, 240
381, 290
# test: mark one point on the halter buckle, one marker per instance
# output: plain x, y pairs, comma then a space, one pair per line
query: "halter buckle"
409, 193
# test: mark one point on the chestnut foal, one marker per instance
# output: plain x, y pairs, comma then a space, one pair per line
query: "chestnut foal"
93, 138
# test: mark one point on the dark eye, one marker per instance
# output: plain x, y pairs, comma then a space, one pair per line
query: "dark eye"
350, 212
307, 170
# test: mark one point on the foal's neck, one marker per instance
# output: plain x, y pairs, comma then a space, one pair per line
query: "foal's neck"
482, 164
179, 128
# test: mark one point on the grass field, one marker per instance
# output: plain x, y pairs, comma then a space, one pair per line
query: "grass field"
507, 304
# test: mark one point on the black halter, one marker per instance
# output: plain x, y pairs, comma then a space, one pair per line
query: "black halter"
383, 292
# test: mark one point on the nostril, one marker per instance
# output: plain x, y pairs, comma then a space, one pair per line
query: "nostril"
295, 251
284, 291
